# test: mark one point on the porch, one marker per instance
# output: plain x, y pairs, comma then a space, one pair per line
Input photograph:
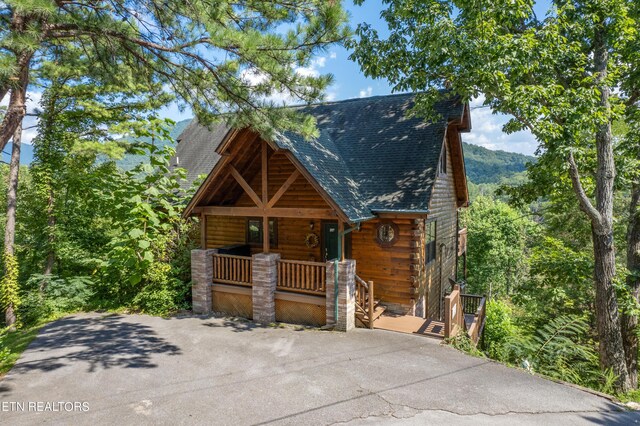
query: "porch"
266, 288
464, 313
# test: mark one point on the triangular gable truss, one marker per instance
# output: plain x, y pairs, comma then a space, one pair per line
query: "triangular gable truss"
226, 178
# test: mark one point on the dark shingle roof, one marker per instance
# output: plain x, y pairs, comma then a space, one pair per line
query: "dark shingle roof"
196, 150
369, 157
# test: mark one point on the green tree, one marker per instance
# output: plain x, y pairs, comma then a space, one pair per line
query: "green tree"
498, 247
217, 56
554, 75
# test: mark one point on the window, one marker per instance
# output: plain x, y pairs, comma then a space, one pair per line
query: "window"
442, 168
387, 234
254, 232
430, 242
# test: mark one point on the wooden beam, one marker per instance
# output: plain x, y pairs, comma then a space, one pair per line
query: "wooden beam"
265, 234
341, 236
270, 212
265, 188
215, 187
247, 188
283, 188
213, 174
203, 231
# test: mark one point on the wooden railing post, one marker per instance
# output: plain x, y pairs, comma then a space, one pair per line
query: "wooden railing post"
453, 313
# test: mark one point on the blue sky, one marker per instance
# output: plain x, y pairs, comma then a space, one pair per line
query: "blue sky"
349, 83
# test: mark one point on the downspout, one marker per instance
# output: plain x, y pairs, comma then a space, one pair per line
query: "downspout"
335, 269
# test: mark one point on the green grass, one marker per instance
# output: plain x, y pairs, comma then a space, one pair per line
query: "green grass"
12, 344
632, 396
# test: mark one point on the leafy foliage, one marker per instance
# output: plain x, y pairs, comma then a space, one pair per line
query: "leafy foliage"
9, 286
499, 329
218, 57
498, 239
563, 350
144, 258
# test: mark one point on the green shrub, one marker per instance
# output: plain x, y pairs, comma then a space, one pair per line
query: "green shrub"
155, 301
498, 329
35, 308
50, 295
463, 343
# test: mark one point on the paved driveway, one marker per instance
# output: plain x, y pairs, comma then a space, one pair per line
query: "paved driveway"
146, 370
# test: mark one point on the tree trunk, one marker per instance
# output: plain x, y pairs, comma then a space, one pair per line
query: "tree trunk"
630, 322
612, 354
10, 230
16, 109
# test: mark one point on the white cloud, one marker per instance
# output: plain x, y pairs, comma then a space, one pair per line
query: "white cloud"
487, 131
312, 70
333, 55
254, 77
365, 93
331, 95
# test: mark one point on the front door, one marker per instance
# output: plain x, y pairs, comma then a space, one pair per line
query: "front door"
330, 236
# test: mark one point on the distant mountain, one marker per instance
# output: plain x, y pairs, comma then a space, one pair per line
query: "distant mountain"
486, 166
26, 153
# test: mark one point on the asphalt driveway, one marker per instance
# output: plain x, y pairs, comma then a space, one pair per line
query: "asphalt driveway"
115, 369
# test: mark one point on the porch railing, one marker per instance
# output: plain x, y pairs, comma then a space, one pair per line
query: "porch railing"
475, 318
471, 303
231, 269
301, 276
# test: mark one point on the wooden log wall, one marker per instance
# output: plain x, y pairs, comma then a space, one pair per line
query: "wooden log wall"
227, 230
443, 208
389, 268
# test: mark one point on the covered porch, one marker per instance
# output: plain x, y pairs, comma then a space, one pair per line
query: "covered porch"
268, 289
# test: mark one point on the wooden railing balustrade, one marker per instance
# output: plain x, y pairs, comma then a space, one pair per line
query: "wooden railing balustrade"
464, 313
474, 330
471, 303
231, 269
365, 302
301, 276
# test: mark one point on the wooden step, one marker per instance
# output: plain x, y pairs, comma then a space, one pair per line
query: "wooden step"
363, 317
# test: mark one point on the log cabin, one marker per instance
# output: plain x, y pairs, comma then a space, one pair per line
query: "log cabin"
376, 186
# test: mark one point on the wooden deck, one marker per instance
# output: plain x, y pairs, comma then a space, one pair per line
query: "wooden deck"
410, 324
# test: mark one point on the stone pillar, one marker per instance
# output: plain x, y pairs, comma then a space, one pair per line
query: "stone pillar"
265, 277
346, 295
201, 277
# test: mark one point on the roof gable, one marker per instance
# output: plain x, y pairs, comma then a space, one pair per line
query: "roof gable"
369, 156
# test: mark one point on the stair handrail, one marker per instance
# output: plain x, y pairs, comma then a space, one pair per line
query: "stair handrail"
365, 302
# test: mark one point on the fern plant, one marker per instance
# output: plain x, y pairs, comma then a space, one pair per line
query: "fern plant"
561, 349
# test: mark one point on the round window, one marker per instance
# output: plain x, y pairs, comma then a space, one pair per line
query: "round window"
386, 234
